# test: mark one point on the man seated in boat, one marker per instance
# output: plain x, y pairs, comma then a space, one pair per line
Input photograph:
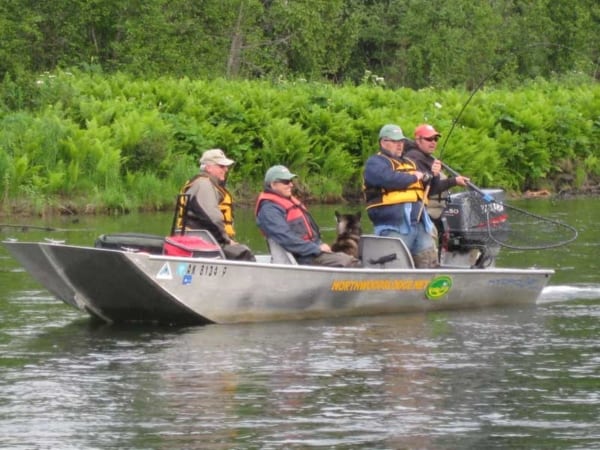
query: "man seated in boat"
284, 219
210, 205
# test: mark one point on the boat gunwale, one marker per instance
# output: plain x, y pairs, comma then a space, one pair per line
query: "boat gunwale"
299, 267
365, 270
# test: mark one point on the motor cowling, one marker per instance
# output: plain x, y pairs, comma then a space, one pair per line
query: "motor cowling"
475, 223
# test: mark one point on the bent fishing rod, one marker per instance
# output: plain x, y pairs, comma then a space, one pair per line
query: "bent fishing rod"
530, 222
495, 69
526, 230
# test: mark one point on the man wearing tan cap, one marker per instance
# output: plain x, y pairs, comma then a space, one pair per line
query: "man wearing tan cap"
210, 205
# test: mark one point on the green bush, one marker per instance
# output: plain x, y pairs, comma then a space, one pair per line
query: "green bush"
126, 144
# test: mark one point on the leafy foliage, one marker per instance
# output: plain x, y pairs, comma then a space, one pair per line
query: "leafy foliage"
412, 43
127, 143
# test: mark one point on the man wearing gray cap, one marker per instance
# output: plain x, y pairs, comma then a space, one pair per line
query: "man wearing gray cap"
284, 219
395, 195
210, 204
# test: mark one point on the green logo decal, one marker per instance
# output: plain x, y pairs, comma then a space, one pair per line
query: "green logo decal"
438, 287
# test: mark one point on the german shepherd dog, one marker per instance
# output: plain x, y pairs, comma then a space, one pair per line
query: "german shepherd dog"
348, 233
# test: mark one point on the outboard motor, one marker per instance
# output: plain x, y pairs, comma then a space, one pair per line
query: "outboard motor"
472, 228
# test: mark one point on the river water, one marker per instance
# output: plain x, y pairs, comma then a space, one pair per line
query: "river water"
509, 378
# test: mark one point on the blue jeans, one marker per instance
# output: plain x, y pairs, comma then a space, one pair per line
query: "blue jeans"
417, 240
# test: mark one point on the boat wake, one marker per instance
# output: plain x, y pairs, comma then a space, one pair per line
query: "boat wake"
552, 294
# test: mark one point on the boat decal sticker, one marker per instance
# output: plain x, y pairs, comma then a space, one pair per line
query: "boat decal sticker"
185, 272
378, 285
201, 270
438, 287
182, 269
165, 272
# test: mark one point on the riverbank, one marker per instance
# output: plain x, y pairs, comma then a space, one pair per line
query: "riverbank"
81, 207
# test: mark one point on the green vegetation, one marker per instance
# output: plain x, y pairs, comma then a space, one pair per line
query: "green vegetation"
96, 142
132, 92
409, 43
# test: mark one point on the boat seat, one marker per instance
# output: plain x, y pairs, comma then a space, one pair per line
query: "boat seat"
133, 242
279, 255
384, 252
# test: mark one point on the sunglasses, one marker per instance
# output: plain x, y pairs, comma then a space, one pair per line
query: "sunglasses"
431, 139
286, 182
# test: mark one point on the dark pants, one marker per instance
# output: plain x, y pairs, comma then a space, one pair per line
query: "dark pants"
335, 259
238, 252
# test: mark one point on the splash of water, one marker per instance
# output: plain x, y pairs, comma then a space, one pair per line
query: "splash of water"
552, 294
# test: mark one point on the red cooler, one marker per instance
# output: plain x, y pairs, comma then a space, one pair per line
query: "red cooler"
191, 246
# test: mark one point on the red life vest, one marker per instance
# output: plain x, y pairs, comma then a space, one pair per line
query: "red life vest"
295, 211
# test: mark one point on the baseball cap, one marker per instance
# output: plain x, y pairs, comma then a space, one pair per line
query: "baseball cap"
215, 156
425, 130
278, 173
391, 132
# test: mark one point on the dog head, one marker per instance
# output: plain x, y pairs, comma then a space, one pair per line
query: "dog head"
348, 224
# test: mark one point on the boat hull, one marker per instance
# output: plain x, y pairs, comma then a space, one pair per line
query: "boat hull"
119, 286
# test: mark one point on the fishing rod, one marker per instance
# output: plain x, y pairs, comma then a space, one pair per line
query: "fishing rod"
464, 106
525, 229
494, 71
25, 228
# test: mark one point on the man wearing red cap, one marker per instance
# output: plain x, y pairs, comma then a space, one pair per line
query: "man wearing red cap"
421, 152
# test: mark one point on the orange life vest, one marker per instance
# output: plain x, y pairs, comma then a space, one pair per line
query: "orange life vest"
375, 196
225, 206
295, 211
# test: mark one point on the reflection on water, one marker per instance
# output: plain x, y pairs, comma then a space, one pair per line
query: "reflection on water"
522, 377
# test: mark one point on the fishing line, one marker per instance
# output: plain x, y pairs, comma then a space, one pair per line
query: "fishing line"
24, 228
495, 70
526, 230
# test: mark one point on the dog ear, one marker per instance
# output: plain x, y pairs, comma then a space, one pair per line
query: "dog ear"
337, 216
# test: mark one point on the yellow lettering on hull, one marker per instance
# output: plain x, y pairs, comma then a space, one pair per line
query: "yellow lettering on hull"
378, 285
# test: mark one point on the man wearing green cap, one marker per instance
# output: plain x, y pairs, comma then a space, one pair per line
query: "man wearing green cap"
395, 196
284, 219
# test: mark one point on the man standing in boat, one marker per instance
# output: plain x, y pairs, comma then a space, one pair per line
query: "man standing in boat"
210, 205
420, 151
395, 195
285, 220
